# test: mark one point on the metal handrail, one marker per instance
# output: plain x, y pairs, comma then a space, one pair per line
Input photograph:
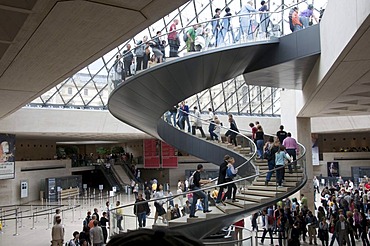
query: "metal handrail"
238, 133
218, 185
218, 20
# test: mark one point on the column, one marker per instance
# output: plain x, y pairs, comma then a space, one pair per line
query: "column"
304, 137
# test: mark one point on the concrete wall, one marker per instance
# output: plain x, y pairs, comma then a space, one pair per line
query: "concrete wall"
101, 124
327, 142
344, 165
57, 121
10, 189
340, 124
38, 149
341, 20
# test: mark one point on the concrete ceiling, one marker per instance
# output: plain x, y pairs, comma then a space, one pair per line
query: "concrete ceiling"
346, 90
42, 42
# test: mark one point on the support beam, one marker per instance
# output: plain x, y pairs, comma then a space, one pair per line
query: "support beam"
14, 9
304, 137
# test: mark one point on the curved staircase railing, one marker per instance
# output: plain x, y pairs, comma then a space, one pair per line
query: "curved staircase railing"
212, 34
253, 196
142, 100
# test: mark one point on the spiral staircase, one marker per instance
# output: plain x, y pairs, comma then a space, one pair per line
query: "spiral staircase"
142, 100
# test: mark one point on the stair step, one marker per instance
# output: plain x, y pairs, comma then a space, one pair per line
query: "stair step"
265, 167
244, 152
229, 208
273, 179
265, 188
260, 193
272, 184
179, 221
252, 198
287, 175
242, 204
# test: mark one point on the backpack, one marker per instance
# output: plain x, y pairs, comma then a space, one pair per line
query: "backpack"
68, 242
86, 221
191, 180
185, 37
229, 173
139, 51
270, 220
267, 154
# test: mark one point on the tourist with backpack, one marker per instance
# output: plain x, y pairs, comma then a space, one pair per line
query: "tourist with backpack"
139, 53
75, 240
267, 225
270, 148
230, 174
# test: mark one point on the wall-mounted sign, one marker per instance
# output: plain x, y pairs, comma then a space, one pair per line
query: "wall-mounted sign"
333, 169
7, 151
169, 159
151, 153
24, 189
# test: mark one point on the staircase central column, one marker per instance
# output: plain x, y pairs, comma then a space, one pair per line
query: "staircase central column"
304, 137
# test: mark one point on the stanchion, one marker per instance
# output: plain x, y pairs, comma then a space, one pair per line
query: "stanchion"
88, 197
33, 222
3, 218
124, 222
21, 219
16, 222
73, 210
255, 238
31, 211
101, 199
36, 215
48, 222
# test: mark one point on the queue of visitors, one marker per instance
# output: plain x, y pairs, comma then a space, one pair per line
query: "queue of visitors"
252, 22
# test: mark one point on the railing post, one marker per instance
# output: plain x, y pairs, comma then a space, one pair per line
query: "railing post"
36, 215
124, 222
49, 221
16, 222
256, 238
21, 219
3, 218
73, 209
33, 221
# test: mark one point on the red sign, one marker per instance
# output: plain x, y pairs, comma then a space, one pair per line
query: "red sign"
169, 160
151, 153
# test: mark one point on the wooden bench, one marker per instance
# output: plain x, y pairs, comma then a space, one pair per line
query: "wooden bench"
69, 193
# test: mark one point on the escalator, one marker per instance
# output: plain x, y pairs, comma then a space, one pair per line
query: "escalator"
142, 100
112, 178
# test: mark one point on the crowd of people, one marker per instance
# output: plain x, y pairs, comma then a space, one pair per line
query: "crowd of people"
94, 230
252, 22
342, 219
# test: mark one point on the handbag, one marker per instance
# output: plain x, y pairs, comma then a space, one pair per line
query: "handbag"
331, 229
